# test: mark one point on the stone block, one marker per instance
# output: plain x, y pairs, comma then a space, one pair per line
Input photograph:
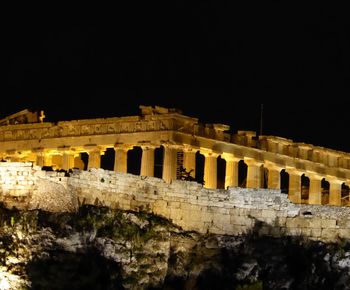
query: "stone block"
241, 220
344, 233
329, 223
160, 203
268, 213
281, 221
315, 232
329, 234
207, 217
244, 211
221, 219
222, 210
296, 222
315, 223
175, 214
195, 215
175, 204
344, 223
187, 206
256, 213
234, 211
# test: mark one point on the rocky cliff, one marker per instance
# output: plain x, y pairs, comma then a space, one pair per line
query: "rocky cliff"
102, 248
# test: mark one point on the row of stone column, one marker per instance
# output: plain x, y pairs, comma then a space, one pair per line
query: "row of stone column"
254, 175
315, 188
69, 159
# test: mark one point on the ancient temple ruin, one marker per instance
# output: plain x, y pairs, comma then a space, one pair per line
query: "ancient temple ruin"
310, 174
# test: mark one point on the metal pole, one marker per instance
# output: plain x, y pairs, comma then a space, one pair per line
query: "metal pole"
261, 118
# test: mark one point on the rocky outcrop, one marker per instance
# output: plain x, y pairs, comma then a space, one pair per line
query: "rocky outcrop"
101, 248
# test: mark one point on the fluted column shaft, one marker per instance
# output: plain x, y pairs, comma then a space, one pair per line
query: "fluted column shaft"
40, 159
210, 170
78, 162
294, 190
169, 163
231, 173
253, 173
47, 160
335, 192
147, 161
274, 177
315, 191
67, 160
94, 158
121, 158
190, 161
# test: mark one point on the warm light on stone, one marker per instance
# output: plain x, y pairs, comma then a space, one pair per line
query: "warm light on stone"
60, 144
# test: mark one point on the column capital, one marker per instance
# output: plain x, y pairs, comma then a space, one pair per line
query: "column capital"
38, 150
171, 145
95, 149
189, 148
334, 180
230, 157
273, 166
148, 147
122, 146
66, 149
92, 147
314, 175
294, 171
252, 162
209, 152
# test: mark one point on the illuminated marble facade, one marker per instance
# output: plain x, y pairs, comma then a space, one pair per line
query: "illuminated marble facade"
181, 138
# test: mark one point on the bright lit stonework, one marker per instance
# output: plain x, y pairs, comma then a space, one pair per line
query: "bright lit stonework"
310, 174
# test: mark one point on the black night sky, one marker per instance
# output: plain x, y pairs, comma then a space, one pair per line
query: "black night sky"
215, 62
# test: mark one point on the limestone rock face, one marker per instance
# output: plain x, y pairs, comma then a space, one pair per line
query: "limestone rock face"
100, 248
52, 196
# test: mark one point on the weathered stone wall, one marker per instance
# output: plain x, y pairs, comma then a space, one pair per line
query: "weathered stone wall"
187, 204
27, 187
16, 181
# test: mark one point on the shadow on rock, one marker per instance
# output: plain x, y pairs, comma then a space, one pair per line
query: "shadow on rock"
63, 270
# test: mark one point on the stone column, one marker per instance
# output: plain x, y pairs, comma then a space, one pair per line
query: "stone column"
190, 160
56, 160
94, 158
67, 160
121, 157
147, 161
315, 190
40, 158
335, 191
169, 163
294, 190
210, 169
78, 162
253, 173
231, 174
274, 177
47, 159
